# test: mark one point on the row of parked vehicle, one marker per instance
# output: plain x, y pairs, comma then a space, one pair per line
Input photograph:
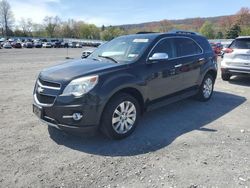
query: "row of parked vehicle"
43, 43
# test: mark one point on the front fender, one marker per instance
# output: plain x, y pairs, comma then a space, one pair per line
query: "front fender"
118, 82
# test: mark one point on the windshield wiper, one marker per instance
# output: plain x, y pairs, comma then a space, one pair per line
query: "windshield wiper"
107, 57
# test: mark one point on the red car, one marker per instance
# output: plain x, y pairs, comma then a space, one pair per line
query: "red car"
16, 45
217, 48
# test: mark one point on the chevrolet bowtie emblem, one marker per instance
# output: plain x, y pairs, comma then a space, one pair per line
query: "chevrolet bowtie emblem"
40, 90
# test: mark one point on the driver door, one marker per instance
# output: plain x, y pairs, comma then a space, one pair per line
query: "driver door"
163, 76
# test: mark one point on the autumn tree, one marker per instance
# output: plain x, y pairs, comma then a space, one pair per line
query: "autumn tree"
226, 22
197, 23
165, 26
243, 16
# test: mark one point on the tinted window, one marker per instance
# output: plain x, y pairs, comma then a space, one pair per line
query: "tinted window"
165, 46
241, 44
186, 47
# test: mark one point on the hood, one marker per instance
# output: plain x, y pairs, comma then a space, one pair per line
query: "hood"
68, 71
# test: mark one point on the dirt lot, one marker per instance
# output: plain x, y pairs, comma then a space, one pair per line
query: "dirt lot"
186, 144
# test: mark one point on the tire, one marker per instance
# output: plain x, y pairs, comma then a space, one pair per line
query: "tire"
120, 126
225, 77
206, 88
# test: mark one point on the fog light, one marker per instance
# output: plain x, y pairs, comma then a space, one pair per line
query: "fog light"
77, 116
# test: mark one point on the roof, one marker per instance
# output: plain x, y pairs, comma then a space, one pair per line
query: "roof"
241, 37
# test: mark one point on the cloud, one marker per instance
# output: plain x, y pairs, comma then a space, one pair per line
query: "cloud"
38, 9
34, 9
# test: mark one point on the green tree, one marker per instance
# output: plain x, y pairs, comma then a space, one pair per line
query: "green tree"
103, 27
245, 31
219, 35
111, 32
51, 25
233, 32
207, 30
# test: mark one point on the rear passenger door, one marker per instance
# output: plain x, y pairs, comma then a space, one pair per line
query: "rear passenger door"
190, 59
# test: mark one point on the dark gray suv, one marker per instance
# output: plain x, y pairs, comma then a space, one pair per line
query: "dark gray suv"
123, 78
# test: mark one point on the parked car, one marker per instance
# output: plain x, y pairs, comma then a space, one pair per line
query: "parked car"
72, 44
7, 45
2, 39
78, 45
38, 44
236, 58
47, 45
16, 45
87, 52
217, 47
57, 44
112, 88
64, 45
29, 45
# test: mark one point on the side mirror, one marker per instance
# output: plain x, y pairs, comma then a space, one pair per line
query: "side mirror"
158, 56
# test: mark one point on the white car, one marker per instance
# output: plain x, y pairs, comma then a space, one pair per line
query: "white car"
47, 45
87, 52
7, 45
236, 58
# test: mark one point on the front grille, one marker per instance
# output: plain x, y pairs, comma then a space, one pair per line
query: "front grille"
46, 92
50, 84
45, 99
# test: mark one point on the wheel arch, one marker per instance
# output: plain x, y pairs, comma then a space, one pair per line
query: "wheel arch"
130, 91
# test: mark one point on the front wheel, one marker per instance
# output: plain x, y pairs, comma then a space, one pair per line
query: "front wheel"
120, 116
206, 88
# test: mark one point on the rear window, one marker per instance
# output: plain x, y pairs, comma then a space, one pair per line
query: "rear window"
241, 44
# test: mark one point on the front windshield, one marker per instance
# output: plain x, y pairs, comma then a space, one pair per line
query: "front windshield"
123, 49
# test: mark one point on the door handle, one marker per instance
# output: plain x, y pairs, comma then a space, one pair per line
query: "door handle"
177, 66
201, 59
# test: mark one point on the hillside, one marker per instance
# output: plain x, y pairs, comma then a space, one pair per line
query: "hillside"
176, 23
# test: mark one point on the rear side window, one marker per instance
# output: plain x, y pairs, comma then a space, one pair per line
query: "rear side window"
186, 47
241, 44
165, 46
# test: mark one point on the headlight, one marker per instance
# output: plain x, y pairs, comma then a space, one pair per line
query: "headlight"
81, 86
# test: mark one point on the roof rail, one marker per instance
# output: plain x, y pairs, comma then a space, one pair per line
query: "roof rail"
183, 32
145, 32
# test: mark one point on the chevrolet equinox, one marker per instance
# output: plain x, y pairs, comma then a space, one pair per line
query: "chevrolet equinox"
110, 89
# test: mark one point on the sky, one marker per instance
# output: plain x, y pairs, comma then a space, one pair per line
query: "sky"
118, 12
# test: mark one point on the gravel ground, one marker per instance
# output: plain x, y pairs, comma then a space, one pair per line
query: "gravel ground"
186, 144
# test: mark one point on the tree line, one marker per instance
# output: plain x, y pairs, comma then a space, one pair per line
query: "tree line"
54, 27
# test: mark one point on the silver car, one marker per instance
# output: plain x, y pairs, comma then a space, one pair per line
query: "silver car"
236, 58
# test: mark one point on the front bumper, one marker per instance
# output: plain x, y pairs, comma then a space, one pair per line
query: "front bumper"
59, 115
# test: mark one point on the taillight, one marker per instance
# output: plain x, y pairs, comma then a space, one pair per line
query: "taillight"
228, 50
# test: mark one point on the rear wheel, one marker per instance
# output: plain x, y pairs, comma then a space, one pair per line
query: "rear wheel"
225, 76
206, 88
120, 116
